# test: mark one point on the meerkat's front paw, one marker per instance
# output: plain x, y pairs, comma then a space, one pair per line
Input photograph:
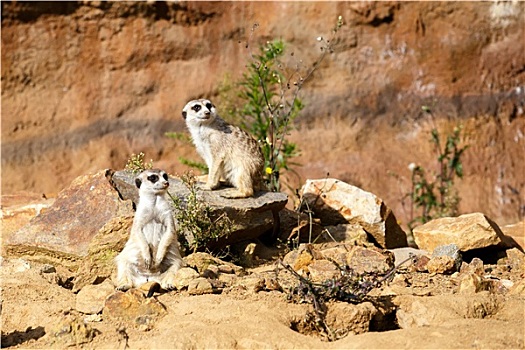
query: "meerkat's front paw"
168, 282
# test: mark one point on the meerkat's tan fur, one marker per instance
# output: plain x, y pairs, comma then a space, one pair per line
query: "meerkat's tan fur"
152, 252
229, 152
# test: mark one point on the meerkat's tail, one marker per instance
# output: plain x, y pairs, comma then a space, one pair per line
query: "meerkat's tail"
154, 288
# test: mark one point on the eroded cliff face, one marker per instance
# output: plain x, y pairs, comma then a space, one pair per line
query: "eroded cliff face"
85, 84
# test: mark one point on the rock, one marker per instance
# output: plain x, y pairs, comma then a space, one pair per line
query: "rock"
184, 276
300, 258
349, 318
62, 234
441, 264
363, 260
70, 331
322, 270
99, 264
514, 235
421, 263
413, 311
475, 266
47, 268
133, 306
469, 231
200, 286
470, 283
251, 217
451, 251
516, 259
91, 298
336, 202
201, 261
404, 253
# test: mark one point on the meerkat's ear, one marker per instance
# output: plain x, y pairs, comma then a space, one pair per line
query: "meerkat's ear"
184, 113
138, 182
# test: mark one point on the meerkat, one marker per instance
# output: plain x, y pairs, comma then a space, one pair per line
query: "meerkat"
228, 151
152, 251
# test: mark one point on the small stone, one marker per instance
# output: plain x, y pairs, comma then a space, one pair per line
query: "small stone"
226, 269
200, 261
421, 263
470, 284
131, 306
516, 259
211, 272
475, 267
184, 276
350, 318
450, 250
322, 270
70, 331
441, 264
200, 286
91, 298
47, 268
300, 258
363, 260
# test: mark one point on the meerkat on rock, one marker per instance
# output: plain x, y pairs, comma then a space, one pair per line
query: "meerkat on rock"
229, 152
152, 252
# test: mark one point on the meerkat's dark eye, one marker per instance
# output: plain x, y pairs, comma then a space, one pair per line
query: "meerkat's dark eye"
209, 106
153, 178
196, 108
165, 176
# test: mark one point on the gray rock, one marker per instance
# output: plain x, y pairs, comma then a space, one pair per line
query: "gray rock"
450, 250
336, 202
251, 217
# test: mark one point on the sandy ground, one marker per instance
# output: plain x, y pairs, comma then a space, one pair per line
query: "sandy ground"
239, 318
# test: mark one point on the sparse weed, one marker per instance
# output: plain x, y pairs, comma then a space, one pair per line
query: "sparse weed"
437, 197
198, 222
136, 164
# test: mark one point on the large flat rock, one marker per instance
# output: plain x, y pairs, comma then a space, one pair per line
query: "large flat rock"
251, 217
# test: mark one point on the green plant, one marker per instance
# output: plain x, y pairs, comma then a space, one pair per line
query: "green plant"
136, 164
270, 102
437, 196
199, 222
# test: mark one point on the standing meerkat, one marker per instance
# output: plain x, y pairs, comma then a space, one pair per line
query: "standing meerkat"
228, 151
152, 251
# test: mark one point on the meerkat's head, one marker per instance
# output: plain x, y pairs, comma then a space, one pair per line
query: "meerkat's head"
152, 181
199, 111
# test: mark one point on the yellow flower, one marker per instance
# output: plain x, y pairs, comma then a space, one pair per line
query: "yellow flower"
268, 170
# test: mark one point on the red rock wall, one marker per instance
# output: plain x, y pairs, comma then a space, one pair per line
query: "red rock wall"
85, 84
